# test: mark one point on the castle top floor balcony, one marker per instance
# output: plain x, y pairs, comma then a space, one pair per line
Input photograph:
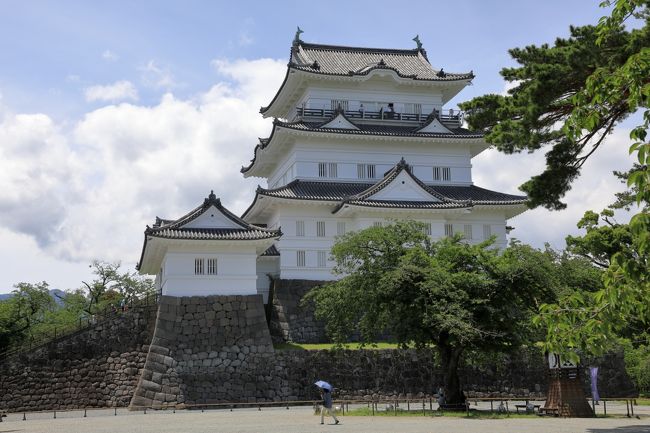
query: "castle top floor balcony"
376, 113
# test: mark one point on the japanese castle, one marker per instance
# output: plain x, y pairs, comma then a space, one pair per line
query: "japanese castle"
360, 137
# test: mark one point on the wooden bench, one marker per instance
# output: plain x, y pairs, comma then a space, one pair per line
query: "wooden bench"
549, 411
525, 406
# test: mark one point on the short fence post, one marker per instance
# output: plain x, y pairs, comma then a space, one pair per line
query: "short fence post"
373, 408
395, 408
491, 406
85, 413
424, 412
605, 407
632, 406
145, 410
115, 411
408, 405
24, 416
54, 414
627, 408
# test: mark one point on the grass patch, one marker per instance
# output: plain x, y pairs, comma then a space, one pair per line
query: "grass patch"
329, 346
475, 414
644, 401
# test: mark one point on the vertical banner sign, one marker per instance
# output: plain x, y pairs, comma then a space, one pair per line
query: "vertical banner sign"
593, 373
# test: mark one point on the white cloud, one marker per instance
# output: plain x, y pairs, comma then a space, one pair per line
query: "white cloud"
110, 56
156, 76
88, 190
120, 90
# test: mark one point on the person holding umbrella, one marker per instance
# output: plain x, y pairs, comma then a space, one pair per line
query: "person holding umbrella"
326, 405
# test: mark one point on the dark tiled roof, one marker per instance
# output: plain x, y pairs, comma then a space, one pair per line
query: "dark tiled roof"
173, 229
339, 191
214, 234
478, 195
354, 61
364, 129
271, 252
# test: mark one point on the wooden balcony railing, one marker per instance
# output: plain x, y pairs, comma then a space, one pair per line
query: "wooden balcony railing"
452, 119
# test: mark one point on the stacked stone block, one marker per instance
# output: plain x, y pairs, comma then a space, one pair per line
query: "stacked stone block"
98, 367
290, 321
206, 350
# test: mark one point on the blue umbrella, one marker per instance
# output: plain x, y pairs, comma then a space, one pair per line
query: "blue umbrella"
324, 385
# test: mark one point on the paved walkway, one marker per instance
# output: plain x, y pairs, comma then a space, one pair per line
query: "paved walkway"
303, 420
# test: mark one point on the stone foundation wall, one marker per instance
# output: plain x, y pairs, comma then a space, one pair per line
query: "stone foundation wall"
97, 367
290, 322
218, 349
209, 349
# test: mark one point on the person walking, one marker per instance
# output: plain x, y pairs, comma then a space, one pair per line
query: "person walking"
326, 405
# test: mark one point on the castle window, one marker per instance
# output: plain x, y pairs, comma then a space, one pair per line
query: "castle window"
449, 230
212, 266
300, 258
366, 171
333, 169
327, 169
322, 259
336, 103
427, 229
199, 269
300, 228
467, 229
320, 229
442, 173
340, 228
487, 231
377, 224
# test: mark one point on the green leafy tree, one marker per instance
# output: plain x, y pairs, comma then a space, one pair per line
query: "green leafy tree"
111, 286
568, 98
449, 294
23, 313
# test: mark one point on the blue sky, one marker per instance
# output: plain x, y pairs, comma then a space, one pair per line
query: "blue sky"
114, 112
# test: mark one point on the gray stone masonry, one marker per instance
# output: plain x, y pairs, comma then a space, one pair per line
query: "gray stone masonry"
208, 350
97, 367
291, 322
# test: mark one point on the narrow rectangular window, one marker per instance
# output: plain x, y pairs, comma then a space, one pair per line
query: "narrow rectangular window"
377, 224
436, 173
361, 171
300, 258
342, 103
322, 259
366, 171
333, 167
212, 266
427, 229
340, 228
449, 229
446, 173
467, 229
198, 267
320, 229
487, 231
300, 228
322, 169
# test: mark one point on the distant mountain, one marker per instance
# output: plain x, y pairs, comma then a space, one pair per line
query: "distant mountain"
56, 294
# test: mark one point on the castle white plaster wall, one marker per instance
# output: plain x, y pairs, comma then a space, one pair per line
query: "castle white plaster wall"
236, 271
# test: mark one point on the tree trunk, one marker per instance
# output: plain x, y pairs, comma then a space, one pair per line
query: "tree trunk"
449, 359
565, 395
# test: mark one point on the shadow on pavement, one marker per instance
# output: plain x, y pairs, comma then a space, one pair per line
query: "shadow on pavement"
624, 429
